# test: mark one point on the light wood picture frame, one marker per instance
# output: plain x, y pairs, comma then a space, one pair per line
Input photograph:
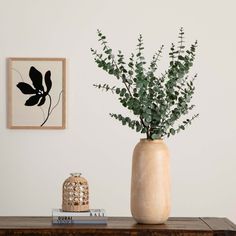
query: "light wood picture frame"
36, 93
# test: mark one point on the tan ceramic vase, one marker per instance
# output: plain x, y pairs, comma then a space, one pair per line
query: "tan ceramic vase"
150, 182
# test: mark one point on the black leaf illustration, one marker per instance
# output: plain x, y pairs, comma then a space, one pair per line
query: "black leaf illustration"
25, 88
33, 100
38, 90
48, 81
36, 78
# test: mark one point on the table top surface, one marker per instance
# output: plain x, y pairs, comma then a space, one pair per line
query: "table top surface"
122, 223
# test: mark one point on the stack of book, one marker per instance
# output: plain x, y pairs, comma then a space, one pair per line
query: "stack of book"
93, 216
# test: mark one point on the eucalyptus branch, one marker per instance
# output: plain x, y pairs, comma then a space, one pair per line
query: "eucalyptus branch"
123, 80
110, 57
155, 58
134, 124
186, 122
181, 37
105, 87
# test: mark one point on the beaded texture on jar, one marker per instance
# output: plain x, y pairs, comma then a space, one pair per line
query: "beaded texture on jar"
75, 193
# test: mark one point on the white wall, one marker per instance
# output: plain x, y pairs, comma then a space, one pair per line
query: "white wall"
34, 163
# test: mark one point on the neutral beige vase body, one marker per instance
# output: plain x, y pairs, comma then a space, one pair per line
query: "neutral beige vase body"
150, 182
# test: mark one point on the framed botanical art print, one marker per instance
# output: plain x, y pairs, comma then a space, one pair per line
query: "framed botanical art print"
36, 93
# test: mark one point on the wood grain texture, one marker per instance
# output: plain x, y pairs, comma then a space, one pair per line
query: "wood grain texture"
221, 226
36, 226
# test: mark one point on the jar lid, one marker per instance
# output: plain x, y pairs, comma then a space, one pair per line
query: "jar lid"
75, 174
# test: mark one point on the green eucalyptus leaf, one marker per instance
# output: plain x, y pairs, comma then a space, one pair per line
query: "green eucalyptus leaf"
148, 119
172, 131
117, 90
108, 51
123, 91
154, 136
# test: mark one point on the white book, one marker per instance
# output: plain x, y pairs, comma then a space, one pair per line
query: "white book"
91, 213
81, 222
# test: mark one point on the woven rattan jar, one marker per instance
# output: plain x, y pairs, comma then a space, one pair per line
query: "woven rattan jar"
75, 193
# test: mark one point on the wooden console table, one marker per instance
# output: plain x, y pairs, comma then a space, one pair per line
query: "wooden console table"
37, 226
